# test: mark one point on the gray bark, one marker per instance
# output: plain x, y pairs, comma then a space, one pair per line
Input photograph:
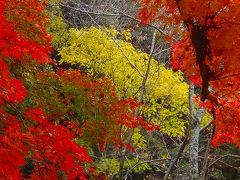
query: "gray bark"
195, 120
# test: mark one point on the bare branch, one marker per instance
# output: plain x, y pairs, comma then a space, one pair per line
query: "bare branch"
115, 14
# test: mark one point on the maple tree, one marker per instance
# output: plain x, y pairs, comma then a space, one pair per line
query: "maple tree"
76, 100
207, 53
47, 141
29, 135
51, 118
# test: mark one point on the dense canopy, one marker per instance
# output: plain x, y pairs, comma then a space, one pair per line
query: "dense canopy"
88, 92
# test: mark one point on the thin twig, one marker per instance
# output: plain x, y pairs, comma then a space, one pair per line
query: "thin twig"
115, 14
180, 150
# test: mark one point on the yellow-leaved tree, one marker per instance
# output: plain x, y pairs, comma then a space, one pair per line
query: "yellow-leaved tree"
107, 52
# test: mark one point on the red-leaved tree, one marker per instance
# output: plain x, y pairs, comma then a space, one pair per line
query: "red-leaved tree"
29, 135
39, 145
208, 53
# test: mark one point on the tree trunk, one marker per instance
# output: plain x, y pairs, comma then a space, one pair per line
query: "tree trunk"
194, 134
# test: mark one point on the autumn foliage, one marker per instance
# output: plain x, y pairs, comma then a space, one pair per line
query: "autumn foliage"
38, 139
207, 52
90, 108
29, 136
46, 116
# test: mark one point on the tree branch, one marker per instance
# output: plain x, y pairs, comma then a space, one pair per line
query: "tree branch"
115, 14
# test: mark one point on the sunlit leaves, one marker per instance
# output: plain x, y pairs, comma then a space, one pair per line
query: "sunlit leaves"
112, 56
